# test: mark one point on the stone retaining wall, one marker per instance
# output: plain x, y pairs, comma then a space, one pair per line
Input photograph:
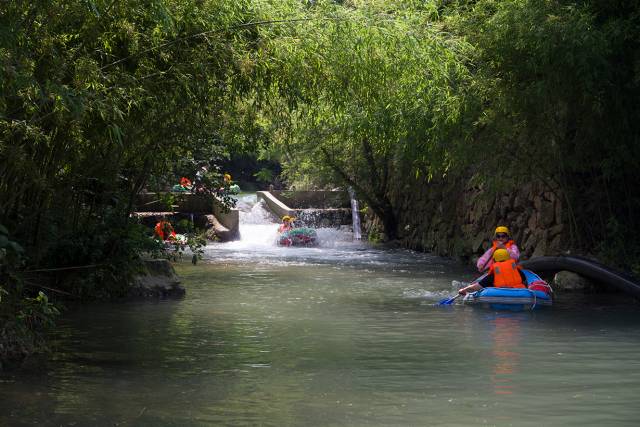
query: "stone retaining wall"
456, 220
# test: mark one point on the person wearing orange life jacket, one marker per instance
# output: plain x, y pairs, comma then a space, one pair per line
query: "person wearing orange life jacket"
503, 273
186, 183
501, 240
163, 230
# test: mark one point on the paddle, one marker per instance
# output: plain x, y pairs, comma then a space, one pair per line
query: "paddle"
450, 300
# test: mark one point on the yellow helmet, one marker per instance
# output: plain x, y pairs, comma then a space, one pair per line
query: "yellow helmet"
286, 218
500, 255
502, 229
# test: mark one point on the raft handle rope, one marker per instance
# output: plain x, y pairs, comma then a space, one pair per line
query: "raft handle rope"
535, 299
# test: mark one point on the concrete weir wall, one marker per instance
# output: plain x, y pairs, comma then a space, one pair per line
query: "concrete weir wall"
207, 213
274, 204
317, 199
312, 208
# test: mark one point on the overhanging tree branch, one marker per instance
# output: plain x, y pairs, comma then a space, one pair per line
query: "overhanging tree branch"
218, 30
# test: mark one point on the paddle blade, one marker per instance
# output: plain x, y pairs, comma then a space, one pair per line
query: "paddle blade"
448, 301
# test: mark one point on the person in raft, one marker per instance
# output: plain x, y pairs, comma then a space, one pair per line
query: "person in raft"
164, 230
287, 224
501, 240
503, 273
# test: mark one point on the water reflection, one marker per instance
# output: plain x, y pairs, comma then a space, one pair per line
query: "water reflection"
505, 332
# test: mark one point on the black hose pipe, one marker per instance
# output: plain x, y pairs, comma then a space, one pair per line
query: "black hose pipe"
585, 267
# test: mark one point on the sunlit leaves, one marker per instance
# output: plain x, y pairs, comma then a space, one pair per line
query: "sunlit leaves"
380, 72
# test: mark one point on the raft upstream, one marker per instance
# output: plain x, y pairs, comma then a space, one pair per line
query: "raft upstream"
301, 236
538, 294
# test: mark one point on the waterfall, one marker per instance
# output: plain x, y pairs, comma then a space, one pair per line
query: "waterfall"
355, 215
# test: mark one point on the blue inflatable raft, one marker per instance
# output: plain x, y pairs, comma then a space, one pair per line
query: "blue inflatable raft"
538, 294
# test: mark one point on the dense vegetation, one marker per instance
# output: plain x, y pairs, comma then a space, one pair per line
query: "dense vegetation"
101, 98
559, 81
541, 90
496, 92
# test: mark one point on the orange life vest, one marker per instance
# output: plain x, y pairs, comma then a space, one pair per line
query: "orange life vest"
506, 274
164, 227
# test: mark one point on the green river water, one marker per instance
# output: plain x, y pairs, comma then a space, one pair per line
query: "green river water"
340, 335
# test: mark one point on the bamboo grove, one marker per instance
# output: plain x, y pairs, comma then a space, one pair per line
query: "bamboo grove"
101, 98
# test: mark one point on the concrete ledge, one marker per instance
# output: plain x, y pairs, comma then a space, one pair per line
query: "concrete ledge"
227, 222
219, 231
275, 205
230, 220
317, 199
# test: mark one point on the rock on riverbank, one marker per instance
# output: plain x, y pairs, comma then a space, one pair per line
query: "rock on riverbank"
158, 280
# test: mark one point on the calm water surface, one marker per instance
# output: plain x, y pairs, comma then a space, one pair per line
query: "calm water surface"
344, 334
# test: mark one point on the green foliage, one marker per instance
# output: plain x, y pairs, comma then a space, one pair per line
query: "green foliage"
264, 175
196, 242
374, 236
175, 249
99, 261
559, 82
184, 226
24, 326
11, 253
499, 93
102, 96
98, 100
360, 92
24, 319
38, 313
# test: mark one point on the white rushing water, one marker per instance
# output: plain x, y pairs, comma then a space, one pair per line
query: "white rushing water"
258, 240
355, 214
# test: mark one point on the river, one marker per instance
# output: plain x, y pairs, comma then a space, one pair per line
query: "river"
345, 334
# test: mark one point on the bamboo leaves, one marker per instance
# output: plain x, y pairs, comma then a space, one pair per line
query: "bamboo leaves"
371, 90
95, 89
